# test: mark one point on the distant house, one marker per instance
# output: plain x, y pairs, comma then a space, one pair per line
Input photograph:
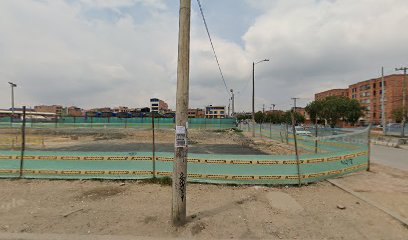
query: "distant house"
196, 113
74, 111
215, 111
157, 105
57, 109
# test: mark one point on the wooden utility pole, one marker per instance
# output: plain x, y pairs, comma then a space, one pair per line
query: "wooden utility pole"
179, 196
404, 99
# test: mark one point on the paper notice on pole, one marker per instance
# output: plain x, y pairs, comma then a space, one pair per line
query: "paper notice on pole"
181, 136
180, 130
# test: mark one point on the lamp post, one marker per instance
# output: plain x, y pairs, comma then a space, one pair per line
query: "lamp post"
12, 85
233, 103
253, 94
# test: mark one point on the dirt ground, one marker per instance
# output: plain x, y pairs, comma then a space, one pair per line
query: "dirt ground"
138, 208
215, 211
386, 186
69, 139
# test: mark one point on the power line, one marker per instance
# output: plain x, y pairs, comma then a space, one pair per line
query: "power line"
212, 46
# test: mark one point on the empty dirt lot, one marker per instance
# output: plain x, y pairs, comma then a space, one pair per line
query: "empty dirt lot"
215, 212
139, 140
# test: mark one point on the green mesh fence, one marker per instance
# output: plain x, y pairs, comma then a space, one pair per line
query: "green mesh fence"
114, 122
337, 154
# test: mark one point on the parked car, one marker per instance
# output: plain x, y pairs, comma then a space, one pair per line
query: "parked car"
299, 130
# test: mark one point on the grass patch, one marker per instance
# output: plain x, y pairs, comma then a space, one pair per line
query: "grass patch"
237, 130
161, 180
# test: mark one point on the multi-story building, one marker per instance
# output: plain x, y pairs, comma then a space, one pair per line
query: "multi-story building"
196, 113
74, 111
343, 92
215, 111
99, 112
369, 94
57, 109
157, 105
121, 109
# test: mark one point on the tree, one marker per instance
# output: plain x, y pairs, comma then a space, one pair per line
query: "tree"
274, 117
354, 111
314, 109
335, 108
397, 114
259, 117
287, 117
243, 117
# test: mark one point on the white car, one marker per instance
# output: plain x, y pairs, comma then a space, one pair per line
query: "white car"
302, 131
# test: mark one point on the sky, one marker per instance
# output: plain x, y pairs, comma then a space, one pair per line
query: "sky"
97, 53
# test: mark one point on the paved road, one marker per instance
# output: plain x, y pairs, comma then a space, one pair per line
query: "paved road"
393, 157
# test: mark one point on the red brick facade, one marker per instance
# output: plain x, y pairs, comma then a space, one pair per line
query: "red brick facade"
332, 92
369, 93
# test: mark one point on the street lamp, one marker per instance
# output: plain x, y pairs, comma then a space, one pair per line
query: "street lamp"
253, 94
12, 85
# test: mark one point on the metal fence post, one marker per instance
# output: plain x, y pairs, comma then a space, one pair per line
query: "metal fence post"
369, 148
316, 136
22, 142
296, 147
153, 148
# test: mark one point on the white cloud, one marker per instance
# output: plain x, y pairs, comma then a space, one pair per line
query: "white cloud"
59, 55
314, 45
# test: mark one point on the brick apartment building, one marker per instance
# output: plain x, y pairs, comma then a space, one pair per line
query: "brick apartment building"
57, 109
369, 93
343, 92
157, 105
196, 113
74, 111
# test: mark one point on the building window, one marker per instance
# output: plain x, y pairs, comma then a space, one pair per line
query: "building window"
374, 93
373, 85
365, 94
